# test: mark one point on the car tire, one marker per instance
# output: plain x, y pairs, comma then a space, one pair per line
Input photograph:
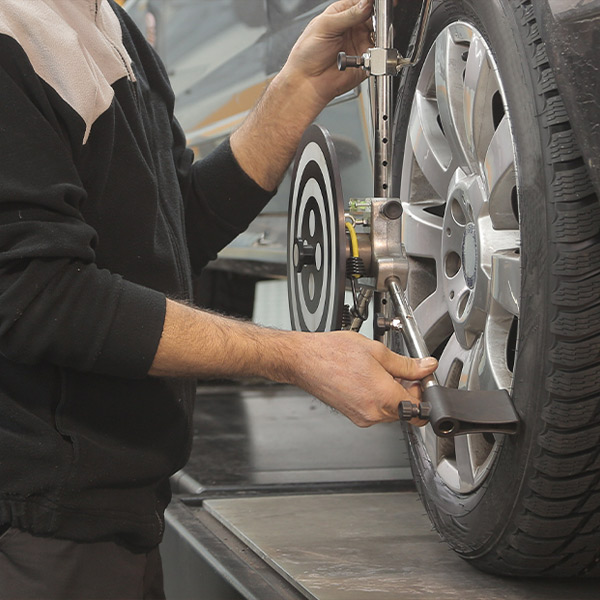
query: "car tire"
528, 504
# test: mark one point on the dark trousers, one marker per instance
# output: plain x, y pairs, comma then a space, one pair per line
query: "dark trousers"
49, 569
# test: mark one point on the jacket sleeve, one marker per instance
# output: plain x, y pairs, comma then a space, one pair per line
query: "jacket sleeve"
56, 305
221, 201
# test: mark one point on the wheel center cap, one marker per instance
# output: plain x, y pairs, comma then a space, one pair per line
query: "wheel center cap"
470, 255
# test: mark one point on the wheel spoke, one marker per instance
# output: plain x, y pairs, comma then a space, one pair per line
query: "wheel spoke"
432, 317
422, 231
463, 459
493, 369
451, 362
506, 280
487, 369
496, 241
449, 68
500, 176
470, 378
476, 193
430, 148
480, 86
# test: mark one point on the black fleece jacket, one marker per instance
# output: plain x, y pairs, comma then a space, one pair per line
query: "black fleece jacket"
102, 215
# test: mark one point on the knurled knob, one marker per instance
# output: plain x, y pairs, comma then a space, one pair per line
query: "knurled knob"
344, 61
408, 411
304, 254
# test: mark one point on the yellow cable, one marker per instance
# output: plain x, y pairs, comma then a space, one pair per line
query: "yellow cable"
353, 239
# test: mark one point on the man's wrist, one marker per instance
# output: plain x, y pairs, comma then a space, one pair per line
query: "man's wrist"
280, 355
300, 90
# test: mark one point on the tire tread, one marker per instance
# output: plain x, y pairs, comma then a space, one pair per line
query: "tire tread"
561, 525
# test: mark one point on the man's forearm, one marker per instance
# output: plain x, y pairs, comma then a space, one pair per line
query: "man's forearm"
197, 343
357, 376
265, 143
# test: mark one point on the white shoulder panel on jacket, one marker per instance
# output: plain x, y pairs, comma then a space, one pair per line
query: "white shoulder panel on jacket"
75, 46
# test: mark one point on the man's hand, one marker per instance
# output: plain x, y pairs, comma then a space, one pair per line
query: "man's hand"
361, 378
266, 142
345, 26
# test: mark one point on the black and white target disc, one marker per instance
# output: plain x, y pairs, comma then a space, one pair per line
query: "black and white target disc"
316, 242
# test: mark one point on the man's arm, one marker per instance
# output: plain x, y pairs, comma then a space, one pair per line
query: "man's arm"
355, 375
267, 140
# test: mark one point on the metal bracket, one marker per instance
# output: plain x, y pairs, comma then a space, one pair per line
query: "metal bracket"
386, 60
388, 259
458, 412
375, 61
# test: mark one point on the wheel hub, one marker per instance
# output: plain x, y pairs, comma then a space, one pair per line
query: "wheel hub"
465, 284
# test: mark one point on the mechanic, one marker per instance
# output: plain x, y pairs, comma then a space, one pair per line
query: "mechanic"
103, 219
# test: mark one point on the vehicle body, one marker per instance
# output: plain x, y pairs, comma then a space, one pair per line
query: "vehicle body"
551, 154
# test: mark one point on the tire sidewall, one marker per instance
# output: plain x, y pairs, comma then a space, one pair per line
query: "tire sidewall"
474, 523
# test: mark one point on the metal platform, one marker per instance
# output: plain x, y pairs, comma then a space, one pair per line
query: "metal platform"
283, 499
332, 547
